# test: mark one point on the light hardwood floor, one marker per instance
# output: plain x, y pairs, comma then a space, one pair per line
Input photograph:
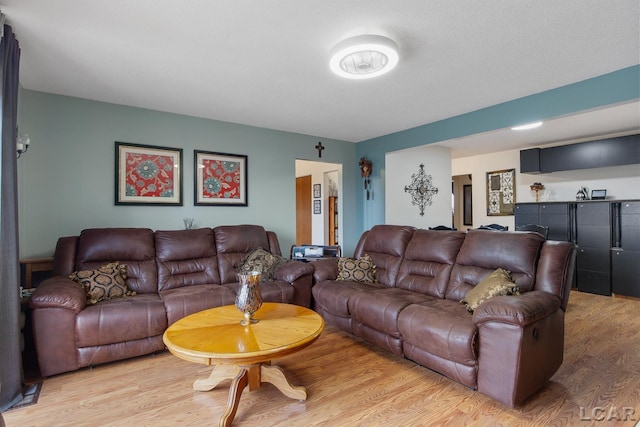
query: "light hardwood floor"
351, 383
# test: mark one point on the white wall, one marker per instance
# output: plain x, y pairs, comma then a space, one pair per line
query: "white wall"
400, 166
318, 170
621, 182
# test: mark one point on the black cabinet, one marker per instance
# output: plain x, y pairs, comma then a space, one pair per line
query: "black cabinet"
554, 215
625, 253
607, 237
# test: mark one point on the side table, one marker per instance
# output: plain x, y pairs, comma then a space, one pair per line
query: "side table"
32, 265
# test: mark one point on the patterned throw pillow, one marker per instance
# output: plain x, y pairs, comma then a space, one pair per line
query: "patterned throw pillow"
498, 283
104, 283
358, 270
264, 262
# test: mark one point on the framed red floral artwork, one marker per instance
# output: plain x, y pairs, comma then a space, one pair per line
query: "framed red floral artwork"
148, 175
220, 179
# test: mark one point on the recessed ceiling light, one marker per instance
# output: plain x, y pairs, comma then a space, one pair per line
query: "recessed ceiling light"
527, 126
364, 57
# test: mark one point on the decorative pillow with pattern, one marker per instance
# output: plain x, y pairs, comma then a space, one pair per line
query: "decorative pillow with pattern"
264, 262
108, 281
498, 283
358, 270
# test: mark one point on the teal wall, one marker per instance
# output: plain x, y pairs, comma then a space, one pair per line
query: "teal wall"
616, 87
66, 179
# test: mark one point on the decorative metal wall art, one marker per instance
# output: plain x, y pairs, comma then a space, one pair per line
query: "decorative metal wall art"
365, 171
501, 192
421, 189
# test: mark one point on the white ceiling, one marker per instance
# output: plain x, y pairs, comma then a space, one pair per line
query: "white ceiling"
265, 63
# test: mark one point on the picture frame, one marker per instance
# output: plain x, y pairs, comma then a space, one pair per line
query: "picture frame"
220, 179
317, 191
317, 207
147, 175
501, 192
467, 205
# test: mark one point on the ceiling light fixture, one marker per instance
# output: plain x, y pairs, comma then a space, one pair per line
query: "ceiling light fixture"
527, 126
364, 57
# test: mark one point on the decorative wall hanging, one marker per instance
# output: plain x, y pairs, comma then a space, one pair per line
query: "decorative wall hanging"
319, 147
316, 191
148, 175
501, 192
366, 167
220, 179
421, 189
317, 207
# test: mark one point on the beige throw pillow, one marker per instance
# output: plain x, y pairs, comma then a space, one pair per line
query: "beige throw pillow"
495, 284
108, 281
358, 270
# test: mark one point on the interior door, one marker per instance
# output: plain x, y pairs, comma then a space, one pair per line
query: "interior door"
303, 210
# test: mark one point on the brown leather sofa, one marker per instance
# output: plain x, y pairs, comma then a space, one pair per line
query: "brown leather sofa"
174, 273
507, 349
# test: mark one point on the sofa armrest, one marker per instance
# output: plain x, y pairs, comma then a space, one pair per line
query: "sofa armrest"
325, 269
59, 292
291, 271
520, 310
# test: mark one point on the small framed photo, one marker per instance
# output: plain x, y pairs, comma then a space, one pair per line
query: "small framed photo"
317, 207
316, 191
220, 179
148, 175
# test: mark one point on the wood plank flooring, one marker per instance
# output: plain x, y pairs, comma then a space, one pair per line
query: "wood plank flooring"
351, 383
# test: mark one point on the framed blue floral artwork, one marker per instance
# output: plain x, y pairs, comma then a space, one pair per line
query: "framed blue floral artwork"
220, 179
148, 175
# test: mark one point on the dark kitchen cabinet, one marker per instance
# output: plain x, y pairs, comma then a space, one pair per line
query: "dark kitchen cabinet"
607, 237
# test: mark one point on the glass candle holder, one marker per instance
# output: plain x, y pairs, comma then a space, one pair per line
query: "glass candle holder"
248, 299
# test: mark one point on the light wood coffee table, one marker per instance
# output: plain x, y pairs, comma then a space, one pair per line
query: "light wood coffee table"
243, 353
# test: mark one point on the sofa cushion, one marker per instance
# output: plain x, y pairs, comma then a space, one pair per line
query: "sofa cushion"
386, 244
186, 258
333, 296
133, 247
119, 320
359, 270
498, 283
443, 328
107, 282
484, 251
262, 261
181, 302
428, 261
233, 244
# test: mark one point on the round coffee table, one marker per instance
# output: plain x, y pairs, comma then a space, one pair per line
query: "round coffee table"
243, 353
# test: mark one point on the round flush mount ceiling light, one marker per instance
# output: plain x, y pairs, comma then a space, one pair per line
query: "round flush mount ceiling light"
364, 57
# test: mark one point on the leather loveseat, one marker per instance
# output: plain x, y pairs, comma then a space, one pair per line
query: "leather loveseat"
507, 348
174, 273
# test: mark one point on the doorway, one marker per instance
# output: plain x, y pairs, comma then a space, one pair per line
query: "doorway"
462, 202
318, 202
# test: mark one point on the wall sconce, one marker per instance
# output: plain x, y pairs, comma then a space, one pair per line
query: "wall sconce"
22, 144
365, 171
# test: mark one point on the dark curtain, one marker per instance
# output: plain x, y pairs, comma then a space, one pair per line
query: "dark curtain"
10, 351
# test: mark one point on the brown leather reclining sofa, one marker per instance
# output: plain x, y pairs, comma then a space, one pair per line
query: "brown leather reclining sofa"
507, 349
174, 273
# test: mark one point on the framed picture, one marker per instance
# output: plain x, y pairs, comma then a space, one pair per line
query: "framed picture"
220, 179
316, 191
148, 175
317, 207
467, 205
501, 192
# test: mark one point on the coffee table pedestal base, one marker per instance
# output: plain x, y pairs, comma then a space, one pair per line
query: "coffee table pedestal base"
252, 375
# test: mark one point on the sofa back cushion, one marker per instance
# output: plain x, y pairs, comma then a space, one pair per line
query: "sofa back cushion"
484, 251
386, 244
428, 261
233, 244
133, 247
186, 257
